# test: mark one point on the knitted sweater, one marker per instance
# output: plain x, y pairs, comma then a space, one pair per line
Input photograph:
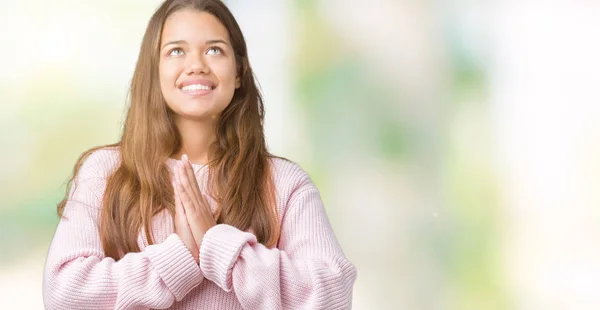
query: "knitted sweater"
306, 270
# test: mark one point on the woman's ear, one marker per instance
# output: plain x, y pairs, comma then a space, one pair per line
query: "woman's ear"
242, 68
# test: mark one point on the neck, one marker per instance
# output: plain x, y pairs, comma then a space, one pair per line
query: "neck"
196, 137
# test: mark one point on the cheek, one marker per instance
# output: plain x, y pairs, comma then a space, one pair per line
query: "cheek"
226, 74
167, 74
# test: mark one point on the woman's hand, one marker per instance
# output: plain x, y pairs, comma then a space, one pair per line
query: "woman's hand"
197, 210
182, 228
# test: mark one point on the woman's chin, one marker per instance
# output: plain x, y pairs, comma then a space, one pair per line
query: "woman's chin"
194, 109
197, 110
199, 116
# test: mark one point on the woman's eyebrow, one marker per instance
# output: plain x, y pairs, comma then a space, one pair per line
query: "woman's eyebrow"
173, 42
213, 41
216, 41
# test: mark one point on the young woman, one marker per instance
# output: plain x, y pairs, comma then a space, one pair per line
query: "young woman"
189, 210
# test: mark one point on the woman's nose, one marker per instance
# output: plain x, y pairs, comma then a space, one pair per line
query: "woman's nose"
197, 65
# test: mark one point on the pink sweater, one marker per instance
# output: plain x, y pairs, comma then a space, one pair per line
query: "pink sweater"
307, 269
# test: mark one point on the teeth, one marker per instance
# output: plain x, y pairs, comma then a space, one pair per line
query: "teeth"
195, 87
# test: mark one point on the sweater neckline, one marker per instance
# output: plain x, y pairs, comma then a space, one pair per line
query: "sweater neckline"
197, 167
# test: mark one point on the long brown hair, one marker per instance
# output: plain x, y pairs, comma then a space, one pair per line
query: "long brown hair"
240, 179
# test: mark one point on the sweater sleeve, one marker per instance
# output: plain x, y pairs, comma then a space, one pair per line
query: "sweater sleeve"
77, 275
307, 271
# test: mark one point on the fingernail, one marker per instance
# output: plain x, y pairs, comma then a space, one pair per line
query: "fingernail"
184, 157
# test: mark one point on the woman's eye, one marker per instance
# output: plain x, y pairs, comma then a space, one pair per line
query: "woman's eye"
214, 51
176, 52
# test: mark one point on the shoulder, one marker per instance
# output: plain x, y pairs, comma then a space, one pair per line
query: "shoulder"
288, 173
290, 180
100, 163
90, 182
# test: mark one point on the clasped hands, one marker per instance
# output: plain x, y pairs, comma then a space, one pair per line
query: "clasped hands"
193, 216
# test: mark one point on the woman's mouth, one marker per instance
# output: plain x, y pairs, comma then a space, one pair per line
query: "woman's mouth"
196, 89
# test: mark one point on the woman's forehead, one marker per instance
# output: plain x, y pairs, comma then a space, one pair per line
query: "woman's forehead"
193, 26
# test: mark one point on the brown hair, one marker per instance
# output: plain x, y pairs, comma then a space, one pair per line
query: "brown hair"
240, 177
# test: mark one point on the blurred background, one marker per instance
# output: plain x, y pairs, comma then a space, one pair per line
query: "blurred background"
456, 143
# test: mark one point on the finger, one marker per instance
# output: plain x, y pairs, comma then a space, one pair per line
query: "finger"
178, 205
189, 170
178, 202
182, 228
180, 216
191, 175
187, 187
187, 173
192, 216
185, 199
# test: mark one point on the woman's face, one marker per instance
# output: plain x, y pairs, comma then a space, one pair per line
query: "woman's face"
197, 66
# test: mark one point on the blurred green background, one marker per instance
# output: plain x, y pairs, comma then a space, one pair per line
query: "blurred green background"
456, 144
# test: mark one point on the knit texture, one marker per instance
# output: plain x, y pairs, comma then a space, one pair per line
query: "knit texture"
306, 270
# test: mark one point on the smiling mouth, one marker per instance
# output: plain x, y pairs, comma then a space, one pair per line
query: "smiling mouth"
196, 87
